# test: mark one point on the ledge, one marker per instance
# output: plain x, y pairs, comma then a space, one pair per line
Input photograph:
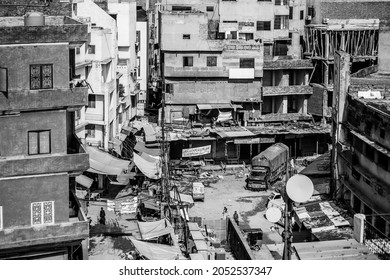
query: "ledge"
287, 90
43, 99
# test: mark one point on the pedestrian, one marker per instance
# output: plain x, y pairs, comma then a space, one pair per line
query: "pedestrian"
235, 217
224, 213
102, 216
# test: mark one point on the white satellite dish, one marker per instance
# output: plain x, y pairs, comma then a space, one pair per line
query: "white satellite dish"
273, 214
299, 188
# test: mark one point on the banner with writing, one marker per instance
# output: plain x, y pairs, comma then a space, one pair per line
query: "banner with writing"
193, 152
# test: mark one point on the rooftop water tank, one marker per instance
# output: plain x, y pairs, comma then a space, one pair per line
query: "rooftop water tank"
34, 19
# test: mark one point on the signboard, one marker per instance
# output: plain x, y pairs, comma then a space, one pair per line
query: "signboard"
254, 140
193, 152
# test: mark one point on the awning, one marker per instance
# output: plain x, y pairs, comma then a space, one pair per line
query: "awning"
102, 162
151, 170
234, 133
117, 144
224, 116
183, 197
210, 106
126, 130
150, 230
140, 147
84, 181
153, 251
150, 134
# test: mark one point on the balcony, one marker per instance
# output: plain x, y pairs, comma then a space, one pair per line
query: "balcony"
287, 90
43, 99
288, 64
76, 160
31, 236
56, 29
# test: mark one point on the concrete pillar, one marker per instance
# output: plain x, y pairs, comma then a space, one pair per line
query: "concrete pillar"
358, 227
362, 207
84, 247
352, 200
304, 107
306, 80
100, 181
373, 220
284, 104
387, 229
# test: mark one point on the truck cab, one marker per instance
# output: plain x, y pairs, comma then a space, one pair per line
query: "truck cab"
257, 179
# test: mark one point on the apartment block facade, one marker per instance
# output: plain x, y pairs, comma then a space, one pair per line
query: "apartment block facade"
40, 217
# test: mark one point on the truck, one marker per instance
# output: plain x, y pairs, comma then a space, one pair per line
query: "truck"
267, 167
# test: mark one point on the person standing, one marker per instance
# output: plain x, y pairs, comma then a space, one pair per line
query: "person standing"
225, 213
102, 216
235, 217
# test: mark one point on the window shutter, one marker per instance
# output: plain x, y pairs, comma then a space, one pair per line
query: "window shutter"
3, 80
33, 143
44, 142
36, 213
48, 212
35, 76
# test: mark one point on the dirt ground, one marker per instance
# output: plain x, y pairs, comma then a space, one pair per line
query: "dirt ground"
229, 191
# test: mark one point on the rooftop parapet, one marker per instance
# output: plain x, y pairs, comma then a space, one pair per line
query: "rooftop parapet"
55, 29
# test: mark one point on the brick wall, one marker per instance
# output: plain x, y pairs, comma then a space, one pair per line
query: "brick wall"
20, 8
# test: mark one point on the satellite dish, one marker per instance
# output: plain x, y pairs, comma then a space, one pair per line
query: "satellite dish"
273, 214
299, 188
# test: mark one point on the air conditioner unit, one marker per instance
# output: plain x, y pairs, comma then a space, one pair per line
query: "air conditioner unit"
308, 17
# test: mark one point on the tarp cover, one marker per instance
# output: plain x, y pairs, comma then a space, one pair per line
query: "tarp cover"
149, 230
140, 147
103, 163
183, 197
153, 251
151, 170
84, 181
273, 157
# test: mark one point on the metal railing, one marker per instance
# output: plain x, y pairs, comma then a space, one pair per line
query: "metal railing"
376, 241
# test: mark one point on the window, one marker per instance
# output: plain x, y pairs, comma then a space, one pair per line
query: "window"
3, 80
247, 63
281, 48
230, 21
267, 49
245, 36
211, 61
91, 101
263, 25
77, 50
188, 61
91, 49
41, 76
139, 66
382, 133
210, 8
264, 0
42, 213
77, 114
1, 217
39, 142
138, 40
169, 88
280, 2
291, 11
90, 130
186, 36
301, 14
181, 8
281, 22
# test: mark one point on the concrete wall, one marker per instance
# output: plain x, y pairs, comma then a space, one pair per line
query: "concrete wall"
14, 137
56, 8
296, 27
316, 100
18, 58
384, 46
17, 194
212, 92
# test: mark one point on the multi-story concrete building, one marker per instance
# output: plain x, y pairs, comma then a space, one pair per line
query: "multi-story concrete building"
142, 58
126, 17
40, 217
239, 61
362, 146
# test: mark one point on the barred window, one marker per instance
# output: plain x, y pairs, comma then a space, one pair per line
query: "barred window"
263, 25
247, 63
211, 61
42, 213
41, 76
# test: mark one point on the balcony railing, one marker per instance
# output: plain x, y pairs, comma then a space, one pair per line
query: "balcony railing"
377, 242
44, 99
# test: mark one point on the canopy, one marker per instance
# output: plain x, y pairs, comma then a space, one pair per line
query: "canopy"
103, 163
84, 181
149, 230
154, 251
151, 170
140, 147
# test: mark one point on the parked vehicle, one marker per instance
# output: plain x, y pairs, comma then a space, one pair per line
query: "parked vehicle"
275, 199
198, 191
268, 167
